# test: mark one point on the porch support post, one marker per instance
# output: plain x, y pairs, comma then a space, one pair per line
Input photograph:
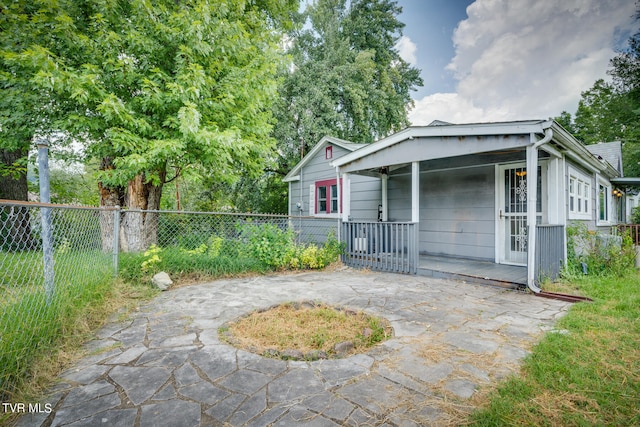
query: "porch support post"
532, 192
385, 203
415, 192
345, 201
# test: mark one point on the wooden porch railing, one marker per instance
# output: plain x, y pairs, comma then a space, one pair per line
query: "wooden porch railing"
384, 246
632, 229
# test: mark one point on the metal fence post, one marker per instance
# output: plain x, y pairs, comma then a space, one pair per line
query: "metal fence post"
116, 239
47, 235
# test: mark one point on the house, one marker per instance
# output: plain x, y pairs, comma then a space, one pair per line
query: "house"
464, 193
313, 189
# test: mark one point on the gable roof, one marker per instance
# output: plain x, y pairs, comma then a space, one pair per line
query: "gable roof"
294, 174
610, 152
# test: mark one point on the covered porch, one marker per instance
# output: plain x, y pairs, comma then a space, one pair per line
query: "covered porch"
466, 196
393, 246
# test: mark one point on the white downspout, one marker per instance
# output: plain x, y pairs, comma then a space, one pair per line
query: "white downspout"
339, 204
532, 195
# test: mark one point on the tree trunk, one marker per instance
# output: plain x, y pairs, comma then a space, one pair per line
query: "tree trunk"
140, 229
109, 197
13, 186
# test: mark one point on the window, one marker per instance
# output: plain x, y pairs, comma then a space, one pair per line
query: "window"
604, 202
328, 152
579, 195
326, 193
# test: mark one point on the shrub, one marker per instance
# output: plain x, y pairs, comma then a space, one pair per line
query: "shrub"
152, 259
602, 254
259, 247
269, 244
311, 257
635, 215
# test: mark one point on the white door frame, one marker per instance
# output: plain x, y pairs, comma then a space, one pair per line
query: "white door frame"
504, 243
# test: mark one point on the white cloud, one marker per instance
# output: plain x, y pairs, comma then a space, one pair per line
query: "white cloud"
518, 59
451, 107
407, 49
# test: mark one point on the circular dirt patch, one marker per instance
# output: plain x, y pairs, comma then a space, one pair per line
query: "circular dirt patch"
306, 331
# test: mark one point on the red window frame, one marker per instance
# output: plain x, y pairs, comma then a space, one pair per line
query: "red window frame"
328, 152
328, 199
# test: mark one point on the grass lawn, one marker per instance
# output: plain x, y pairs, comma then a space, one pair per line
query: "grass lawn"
588, 374
41, 334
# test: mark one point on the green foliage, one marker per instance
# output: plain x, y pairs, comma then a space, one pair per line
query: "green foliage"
271, 245
152, 90
378, 332
603, 254
345, 78
635, 215
151, 259
258, 248
584, 376
610, 111
73, 187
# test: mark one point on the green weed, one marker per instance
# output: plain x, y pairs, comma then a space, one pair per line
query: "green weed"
589, 375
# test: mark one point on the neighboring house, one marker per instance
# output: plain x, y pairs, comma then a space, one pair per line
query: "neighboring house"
463, 191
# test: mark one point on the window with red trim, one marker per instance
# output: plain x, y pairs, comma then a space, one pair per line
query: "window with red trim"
328, 152
327, 196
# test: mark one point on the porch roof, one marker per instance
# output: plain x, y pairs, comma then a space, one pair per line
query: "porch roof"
420, 143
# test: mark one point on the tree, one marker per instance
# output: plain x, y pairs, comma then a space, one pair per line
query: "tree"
625, 71
566, 121
345, 79
610, 111
21, 116
161, 87
602, 114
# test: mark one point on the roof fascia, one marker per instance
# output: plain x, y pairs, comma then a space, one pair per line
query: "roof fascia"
578, 151
294, 174
479, 129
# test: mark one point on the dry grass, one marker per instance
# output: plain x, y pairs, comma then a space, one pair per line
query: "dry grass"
562, 287
307, 327
454, 410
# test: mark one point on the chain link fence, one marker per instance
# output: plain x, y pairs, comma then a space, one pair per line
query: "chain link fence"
54, 257
50, 260
191, 229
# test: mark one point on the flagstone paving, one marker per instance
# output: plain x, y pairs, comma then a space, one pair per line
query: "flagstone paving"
165, 365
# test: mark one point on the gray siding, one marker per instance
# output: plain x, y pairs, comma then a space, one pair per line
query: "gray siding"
318, 168
457, 209
365, 191
592, 224
399, 197
457, 212
366, 195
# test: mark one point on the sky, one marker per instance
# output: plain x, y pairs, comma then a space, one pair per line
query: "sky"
496, 60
